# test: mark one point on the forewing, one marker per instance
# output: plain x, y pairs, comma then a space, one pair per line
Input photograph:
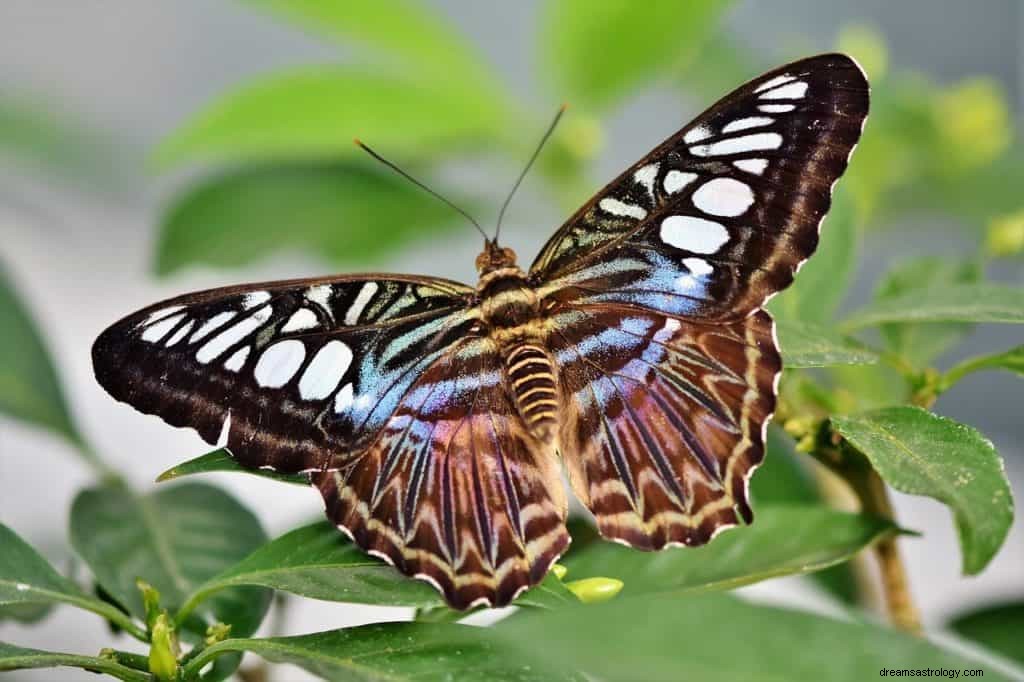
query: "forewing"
719, 216
297, 375
665, 419
454, 490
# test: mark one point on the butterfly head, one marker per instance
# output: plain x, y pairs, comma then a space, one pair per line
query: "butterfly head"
494, 258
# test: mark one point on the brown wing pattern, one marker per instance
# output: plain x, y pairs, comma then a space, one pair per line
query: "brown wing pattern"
666, 422
453, 490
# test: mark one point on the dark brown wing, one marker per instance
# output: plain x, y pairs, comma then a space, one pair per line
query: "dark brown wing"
453, 490
665, 419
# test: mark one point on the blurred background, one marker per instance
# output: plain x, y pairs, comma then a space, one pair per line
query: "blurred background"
125, 177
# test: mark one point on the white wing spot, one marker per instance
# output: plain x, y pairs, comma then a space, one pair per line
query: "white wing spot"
215, 322
696, 134
237, 359
279, 363
180, 334
303, 318
232, 335
343, 401
163, 312
755, 166
723, 197
672, 324
321, 295
748, 122
362, 300
698, 266
739, 145
676, 180
646, 177
255, 298
776, 108
619, 208
778, 80
696, 235
794, 90
158, 330
225, 431
325, 371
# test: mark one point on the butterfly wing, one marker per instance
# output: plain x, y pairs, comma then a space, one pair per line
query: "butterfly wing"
666, 419
454, 490
719, 216
296, 373
668, 362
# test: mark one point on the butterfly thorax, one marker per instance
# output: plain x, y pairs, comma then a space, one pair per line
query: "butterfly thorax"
511, 310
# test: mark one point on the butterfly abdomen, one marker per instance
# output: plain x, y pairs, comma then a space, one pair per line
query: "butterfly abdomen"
531, 380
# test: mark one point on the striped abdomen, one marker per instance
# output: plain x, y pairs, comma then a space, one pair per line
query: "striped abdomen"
531, 379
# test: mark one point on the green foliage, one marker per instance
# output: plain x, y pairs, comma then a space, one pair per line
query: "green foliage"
951, 303
782, 541
809, 345
221, 460
18, 658
714, 638
999, 628
921, 453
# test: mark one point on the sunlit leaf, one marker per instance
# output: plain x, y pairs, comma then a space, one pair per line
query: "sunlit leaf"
337, 212
175, 539
783, 540
396, 652
809, 345
314, 114
221, 460
950, 303
18, 658
715, 638
597, 51
921, 453
999, 628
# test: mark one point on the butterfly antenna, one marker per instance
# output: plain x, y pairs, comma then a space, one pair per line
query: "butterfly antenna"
519, 181
422, 186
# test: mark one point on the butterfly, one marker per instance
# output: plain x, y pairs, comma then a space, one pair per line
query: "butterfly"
435, 417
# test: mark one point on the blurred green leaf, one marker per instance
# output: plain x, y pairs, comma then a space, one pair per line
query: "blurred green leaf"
715, 638
29, 388
921, 453
823, 280
598, 51
809, 345
1011, 360
27, 614
338, 212
1004, 234
27, 580
950, 303
783, 540
397, 28
221, 460
314, 114
175, 539
920, 344
395, 652
19, 658
999, 628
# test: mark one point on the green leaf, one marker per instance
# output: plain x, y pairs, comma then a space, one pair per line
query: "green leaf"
923, 343
18, 658
175, 539
27, 614
394, 652
406, 30
317, 561
28, 581
951, 303
313, 114
783, 540
809, 345
921, 453
338, 212
823, 281
598, 51
221, 460
999, 628
1011, 360
29, 389
715, 638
